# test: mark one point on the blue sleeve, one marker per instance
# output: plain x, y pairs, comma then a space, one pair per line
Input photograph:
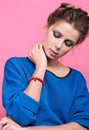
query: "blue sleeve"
19, 106
80, 108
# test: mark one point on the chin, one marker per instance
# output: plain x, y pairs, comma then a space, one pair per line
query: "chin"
51, 57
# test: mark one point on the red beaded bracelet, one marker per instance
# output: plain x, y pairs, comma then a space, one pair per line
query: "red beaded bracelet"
36, 78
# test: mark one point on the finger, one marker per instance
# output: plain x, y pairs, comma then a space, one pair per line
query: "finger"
43, 50
39, 46
3, 122
6, 120
30, 57
36, 46
0, 127
7, 127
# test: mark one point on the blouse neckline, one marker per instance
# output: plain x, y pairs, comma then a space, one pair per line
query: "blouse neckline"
50, 72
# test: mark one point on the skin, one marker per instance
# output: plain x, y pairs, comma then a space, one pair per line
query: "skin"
45, 56
65, 33
56, 40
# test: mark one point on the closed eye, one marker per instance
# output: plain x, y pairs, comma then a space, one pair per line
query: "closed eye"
68, 43
56, 34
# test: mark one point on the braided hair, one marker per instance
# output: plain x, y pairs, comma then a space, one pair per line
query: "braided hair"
73, 15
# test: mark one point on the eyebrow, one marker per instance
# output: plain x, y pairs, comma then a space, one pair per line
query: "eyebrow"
62, 35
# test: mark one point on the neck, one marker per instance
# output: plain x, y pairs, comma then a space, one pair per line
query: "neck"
53, 63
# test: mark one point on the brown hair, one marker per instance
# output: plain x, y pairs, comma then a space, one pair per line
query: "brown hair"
73, 15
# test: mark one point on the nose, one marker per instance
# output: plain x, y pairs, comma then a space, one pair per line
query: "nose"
59, 44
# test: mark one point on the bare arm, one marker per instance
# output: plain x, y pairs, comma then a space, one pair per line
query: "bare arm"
37, 55
10, 125
34, 87
68, 126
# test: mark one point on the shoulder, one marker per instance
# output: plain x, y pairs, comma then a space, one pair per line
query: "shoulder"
13, 63
15, 59
18, 60
77, 73
79, 79
18, 63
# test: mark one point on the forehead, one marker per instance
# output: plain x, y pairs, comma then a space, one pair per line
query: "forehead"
66, 29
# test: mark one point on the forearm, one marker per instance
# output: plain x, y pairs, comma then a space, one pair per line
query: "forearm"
69, 126
34, 88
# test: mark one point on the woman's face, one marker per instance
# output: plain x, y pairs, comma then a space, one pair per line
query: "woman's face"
59, 39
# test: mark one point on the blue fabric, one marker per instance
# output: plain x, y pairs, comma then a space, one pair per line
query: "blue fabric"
62, 100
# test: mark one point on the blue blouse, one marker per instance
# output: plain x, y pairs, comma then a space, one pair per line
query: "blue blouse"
62, 100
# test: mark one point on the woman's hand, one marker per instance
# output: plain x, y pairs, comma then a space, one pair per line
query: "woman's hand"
38, 56
7, 123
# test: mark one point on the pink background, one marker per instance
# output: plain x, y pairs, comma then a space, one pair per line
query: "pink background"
21, 25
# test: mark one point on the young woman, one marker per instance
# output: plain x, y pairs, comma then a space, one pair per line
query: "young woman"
39, 92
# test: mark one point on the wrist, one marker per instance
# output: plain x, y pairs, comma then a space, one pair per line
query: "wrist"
39, 72
35, 79
42, 68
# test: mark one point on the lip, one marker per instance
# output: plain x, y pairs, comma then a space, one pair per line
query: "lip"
53, 52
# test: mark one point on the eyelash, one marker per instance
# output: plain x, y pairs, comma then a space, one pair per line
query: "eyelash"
68, 45
57, 35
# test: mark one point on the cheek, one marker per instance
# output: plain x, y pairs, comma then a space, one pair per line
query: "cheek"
66, 50
49, 38
47, 43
